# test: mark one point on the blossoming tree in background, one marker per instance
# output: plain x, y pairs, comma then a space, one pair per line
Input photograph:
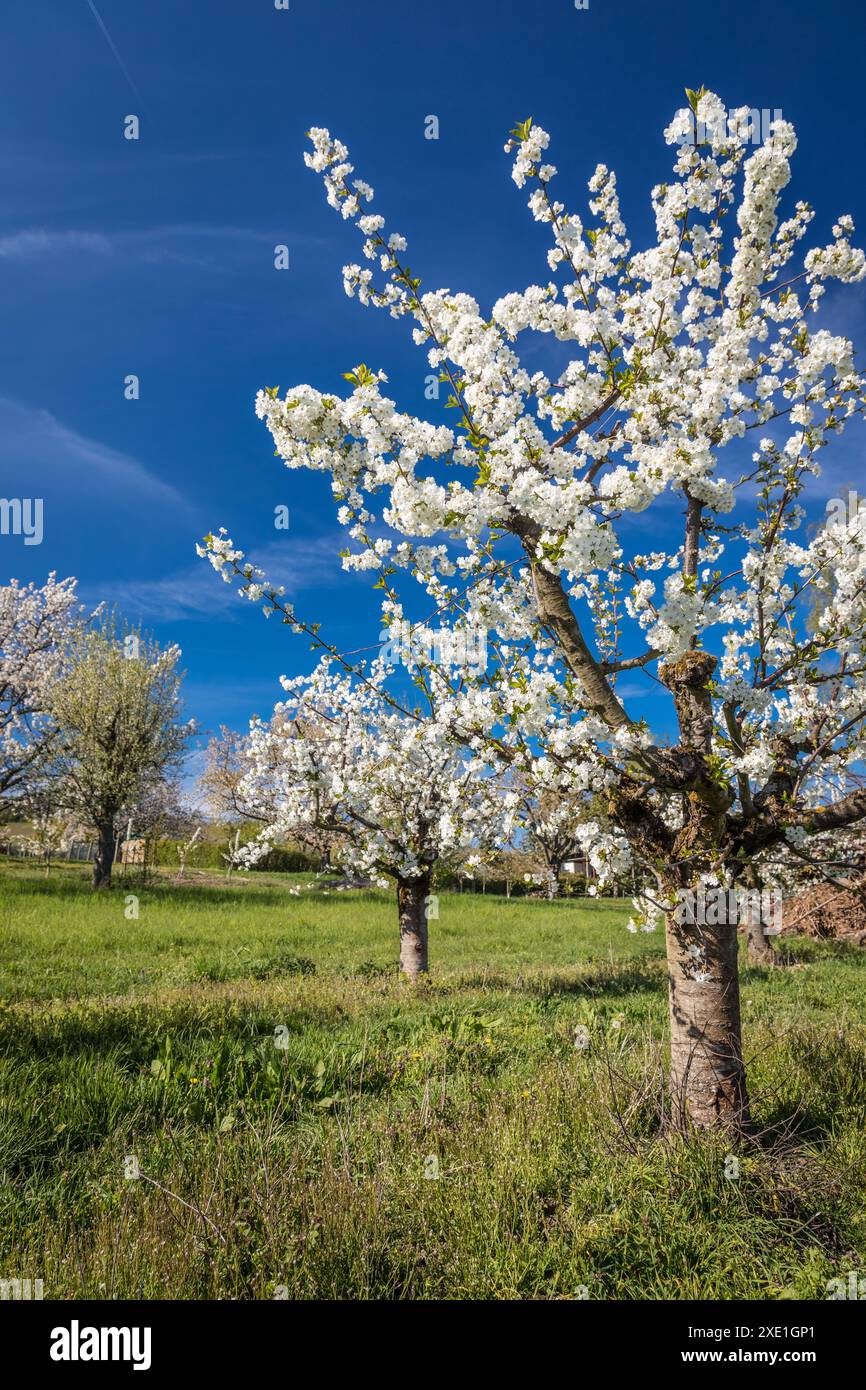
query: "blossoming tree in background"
552, 817
117, 711
35, 627
389, 788
519, 519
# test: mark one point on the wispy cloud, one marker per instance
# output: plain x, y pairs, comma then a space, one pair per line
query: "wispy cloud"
37, 242
39, 453
639, 690
233, 705
182, 243
196, 593
37, 161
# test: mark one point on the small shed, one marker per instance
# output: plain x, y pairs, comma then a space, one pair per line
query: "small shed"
578, 866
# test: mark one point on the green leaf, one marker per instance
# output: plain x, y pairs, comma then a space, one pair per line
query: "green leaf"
694, 97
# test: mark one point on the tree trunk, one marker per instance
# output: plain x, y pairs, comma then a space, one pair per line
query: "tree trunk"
708, 1077
554, 871
412, 895
760, 949
104, 857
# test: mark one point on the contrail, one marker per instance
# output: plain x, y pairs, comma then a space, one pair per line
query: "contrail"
111, 44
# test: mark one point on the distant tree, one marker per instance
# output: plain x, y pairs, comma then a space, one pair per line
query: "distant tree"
393, 792
516, 864
230, 759
185, 848
225, 765
35, 625
117, 710
52, 828
553, 817
159, 811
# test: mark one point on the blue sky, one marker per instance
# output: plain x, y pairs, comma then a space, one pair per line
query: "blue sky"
156, 257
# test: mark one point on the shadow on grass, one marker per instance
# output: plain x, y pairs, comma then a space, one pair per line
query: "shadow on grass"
591, 983
133, 1033
178, 895
825, 1079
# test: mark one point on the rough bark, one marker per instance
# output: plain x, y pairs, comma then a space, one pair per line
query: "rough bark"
104, 857
412, 895
707, 1077
553, 875
760, 950
759, 947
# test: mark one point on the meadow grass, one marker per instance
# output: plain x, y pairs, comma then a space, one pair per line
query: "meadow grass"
308, 1125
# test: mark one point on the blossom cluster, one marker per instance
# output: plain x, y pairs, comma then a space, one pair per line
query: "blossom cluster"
394, 790
35, 624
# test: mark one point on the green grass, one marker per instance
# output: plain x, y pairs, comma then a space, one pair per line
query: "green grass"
299, 1169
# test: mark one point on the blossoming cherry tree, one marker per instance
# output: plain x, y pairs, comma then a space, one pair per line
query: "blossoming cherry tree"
700, 388
390, 788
